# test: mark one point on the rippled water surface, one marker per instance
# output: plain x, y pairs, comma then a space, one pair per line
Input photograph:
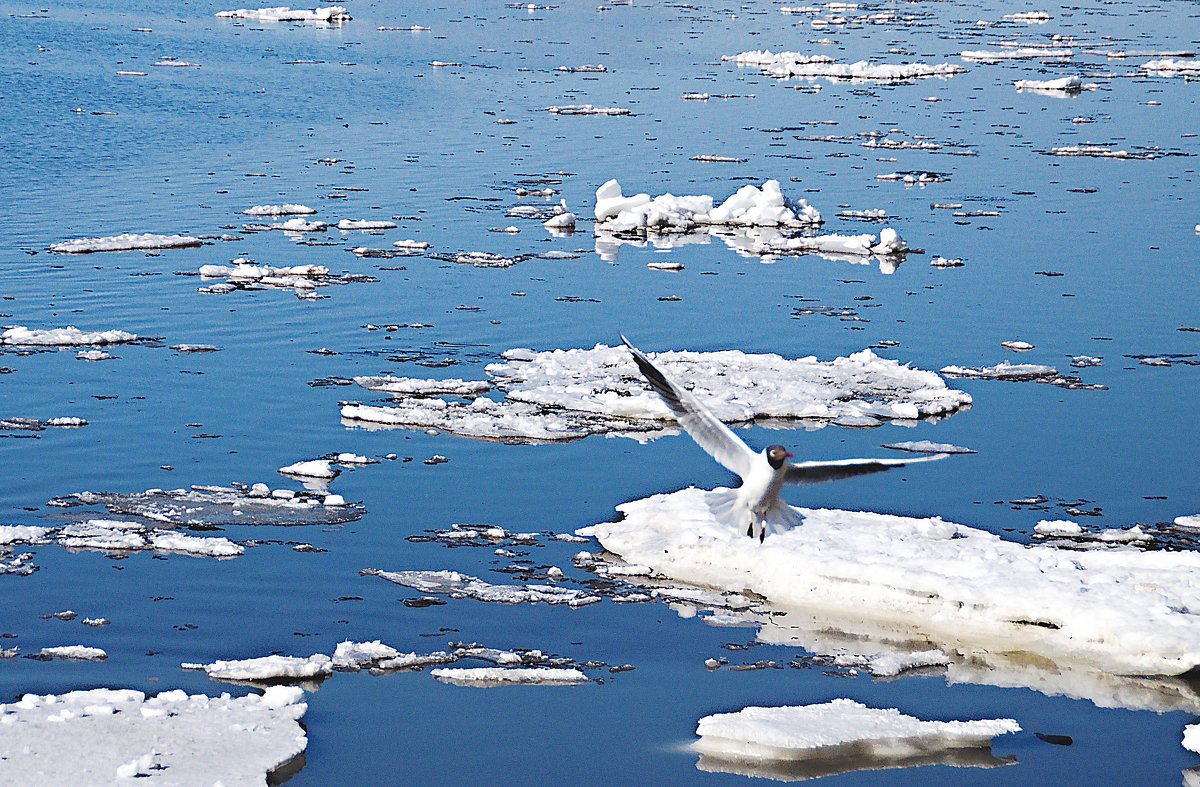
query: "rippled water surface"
1078, 256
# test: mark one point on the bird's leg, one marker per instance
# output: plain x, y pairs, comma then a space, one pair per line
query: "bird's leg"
762, 531
750, 529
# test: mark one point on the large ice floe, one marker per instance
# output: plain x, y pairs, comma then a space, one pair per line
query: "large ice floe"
809, 741
795, 64
127, 241
569, 394
334, 14
750, 206
1118, 610
108, 736
70, 336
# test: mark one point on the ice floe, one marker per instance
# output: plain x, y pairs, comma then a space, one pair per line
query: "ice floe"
106, 736
795, 64
217, 505
1003, 371
291, 225
502, 676
840, 735
1071, 84
889, 664
334, 14
127, 241
268, 668
125, 536
312, 468
286, 209
71, 653
62, 337
1018, 53
366, 224
1122, 611
356, 655
587, 109
457, 585
36, 425
928, 447
1029, 17
1102, 151
1187, 522
750, 206
242, 274
1172, 67
568, 394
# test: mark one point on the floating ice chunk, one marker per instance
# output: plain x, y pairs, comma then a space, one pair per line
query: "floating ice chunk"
887, 243
118, 734
927, 447
411, 245
597, 69
1003, 371
114, 535
1120, 611
458, 585
334, 14
411, 386
93, 355
1101, 151
63, 337
356, 655
313, 468
1189, 522
1170, 67
125, 242
840, 728
1071, 84
587, 109
286, 209
200, 546
1016, 345
890, 664
74, 653
292, 225
942, 262
365, 224
563, 220
269, 668
794, 64
1029, 17
24, 534
1084, 361
34, 425
1018, 53
750, 206
217, 505
1061, 528
501, 676
567, 394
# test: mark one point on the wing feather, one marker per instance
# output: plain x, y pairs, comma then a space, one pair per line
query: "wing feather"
819, 472
705, 428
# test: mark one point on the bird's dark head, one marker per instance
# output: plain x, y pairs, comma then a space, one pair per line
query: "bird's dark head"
777, 456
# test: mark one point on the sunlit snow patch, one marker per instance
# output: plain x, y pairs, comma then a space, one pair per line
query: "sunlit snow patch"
568, 394
1121, 611
334, 14
110, 735
125, 242
808, 741
62, 337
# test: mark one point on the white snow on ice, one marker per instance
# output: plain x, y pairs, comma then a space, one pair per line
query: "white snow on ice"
62, 337
500, 676
334, 14
127, 241
795, 64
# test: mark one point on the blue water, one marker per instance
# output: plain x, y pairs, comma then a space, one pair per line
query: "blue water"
188, 148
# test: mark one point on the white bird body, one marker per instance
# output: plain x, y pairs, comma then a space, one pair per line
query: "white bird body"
755, 505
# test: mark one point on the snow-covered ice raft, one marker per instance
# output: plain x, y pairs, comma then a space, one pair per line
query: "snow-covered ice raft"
839, 736
568, 394
107, 736
1122, 611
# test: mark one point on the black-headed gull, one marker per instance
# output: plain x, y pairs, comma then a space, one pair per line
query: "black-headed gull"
755, 504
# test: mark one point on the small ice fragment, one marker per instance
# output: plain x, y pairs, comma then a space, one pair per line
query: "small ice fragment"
927, 447
74, 653
314, 468
286, 209
1062, 528
1188, 522
499, 676
1016, 345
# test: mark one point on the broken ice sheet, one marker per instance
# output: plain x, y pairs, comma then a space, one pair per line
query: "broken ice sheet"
961, 588
569, 394
334, 14
207, 506
840, 736
458, 585
482, 677
110, 735
19, 335
796, 64
242, 274
268, 669
125, 242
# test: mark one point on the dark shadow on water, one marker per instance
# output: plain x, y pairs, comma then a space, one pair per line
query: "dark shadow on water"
284, 773
847, 759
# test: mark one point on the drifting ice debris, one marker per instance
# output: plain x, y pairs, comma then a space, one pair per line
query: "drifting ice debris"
119, 734
927, 447
218, 505
242, 274
365, 224
839, 736
1029, 17
1060, 528
597, 69
915, 177
93, 355
62, 337
410, 245
1016, 345
1124, 612
1169, 67
122, 536
502, 676
708, 157
889, 665
1102, 151
1017, 53
72, 653
458, 585
410, 386
794, 64
334, 14
1083, 361
353, 656
286, 209
291, 225
1071, 84
1003, 371
1189, 522
750, 206
569, 394
125, 242
34, 425
942, 262
267, 668
587, 109
313, 468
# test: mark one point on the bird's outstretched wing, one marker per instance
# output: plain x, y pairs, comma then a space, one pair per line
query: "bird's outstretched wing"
819, 472
704, 427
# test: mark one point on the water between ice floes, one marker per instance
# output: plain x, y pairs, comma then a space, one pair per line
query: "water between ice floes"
1087, 256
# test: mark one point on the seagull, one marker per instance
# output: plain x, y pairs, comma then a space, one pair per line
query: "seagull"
755, 504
